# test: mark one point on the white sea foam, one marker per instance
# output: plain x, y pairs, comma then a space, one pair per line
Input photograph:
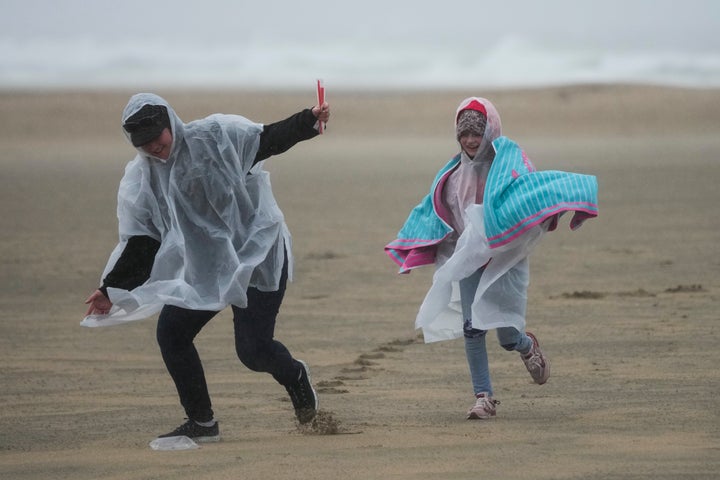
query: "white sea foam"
49, 63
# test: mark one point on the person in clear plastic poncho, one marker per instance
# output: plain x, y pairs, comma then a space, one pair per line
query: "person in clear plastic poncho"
486, 210
200, 230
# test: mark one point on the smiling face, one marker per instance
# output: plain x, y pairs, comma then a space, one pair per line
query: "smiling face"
161, 146
470, 143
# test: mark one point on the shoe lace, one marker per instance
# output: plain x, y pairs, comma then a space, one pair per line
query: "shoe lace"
535, 361
487, 403
299, 395
296, 394
184, 428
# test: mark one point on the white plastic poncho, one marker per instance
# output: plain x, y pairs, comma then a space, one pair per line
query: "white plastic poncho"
501, 296
213, 212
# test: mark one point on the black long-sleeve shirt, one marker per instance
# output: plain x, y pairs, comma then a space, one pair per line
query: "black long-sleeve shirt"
134, 265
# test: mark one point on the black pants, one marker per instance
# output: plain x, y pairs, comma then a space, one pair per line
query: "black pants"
254, 344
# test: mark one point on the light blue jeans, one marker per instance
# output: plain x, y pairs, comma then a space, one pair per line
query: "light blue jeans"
510, 338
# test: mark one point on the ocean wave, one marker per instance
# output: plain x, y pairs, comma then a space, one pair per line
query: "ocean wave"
48, 63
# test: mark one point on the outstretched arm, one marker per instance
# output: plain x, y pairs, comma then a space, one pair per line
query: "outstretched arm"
280, 136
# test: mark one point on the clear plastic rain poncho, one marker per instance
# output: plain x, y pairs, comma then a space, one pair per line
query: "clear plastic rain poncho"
213, 212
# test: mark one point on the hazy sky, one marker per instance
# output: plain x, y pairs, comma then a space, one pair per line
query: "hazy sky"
607, 24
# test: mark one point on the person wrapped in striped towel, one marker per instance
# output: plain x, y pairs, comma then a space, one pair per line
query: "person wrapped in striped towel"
486, 210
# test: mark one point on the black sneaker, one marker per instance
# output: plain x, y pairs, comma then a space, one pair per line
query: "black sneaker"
196, 432
303, 396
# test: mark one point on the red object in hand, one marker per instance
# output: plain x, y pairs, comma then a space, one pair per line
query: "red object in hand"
321, 100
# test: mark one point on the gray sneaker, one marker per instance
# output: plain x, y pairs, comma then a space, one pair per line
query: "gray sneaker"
535, 362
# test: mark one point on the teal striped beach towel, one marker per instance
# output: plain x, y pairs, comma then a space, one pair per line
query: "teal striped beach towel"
518, 197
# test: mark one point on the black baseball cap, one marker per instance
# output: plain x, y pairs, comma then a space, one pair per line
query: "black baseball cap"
147, 124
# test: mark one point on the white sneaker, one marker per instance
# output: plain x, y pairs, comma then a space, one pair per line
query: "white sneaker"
484, 407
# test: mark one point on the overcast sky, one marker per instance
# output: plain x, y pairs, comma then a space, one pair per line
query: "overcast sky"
608, 24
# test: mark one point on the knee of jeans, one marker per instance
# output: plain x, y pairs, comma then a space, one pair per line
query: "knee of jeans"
245, 353
471, 332
251, 355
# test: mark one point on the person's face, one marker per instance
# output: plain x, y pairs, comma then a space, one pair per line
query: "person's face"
160, 146
470, 143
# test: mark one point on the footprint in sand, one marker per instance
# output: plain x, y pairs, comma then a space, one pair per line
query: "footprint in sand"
366, 363
324, 423
331, 387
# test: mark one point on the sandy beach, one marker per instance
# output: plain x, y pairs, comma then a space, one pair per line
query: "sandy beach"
626, 307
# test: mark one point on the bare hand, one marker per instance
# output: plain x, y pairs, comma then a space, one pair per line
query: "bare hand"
322, 112
99, 304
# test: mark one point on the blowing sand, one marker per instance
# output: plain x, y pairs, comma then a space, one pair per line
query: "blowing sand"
626, 308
